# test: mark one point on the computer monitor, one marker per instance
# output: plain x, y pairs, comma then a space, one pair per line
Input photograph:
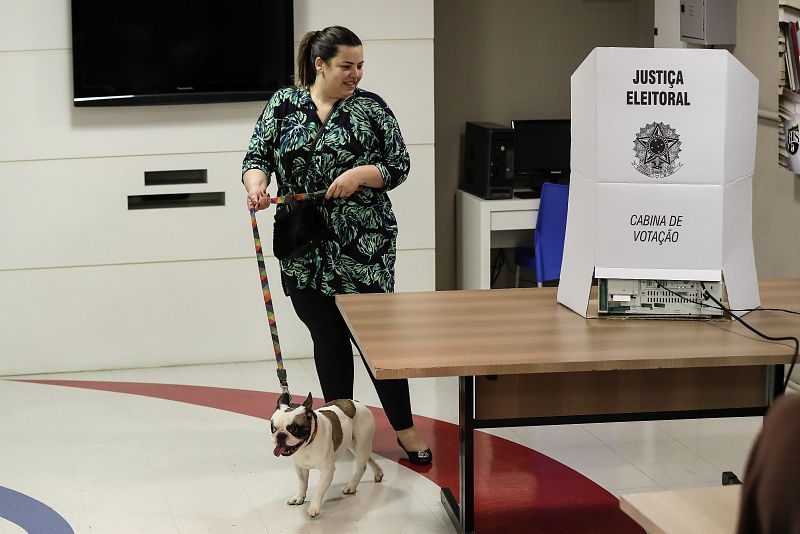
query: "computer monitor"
541, 152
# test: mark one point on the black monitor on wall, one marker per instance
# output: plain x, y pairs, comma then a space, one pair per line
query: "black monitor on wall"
541, 152
128, 52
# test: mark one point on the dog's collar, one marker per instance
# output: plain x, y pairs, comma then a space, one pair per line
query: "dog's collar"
313, 432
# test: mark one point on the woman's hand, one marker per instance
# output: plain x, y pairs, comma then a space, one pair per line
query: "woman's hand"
345, 185
258, 200
255, 182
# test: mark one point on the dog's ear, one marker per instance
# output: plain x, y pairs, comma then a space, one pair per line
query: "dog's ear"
283, 401
308, 402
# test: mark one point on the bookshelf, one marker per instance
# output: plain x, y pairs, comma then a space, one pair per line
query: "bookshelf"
789, 85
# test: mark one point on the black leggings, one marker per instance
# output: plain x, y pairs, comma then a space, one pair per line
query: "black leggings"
333, 357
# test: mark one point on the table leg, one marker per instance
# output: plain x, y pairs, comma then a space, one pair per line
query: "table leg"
462, 513
777, 376
466, 464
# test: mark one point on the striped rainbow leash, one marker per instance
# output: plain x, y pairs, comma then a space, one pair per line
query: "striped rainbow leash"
262, 271
299, 197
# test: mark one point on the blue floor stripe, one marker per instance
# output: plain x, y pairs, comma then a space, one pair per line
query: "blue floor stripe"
34, 517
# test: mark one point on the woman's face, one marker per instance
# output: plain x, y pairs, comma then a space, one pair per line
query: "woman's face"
340, 76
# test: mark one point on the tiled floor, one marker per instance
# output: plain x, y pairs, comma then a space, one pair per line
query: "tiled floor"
116, 463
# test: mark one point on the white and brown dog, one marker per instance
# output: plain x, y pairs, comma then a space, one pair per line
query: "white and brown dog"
316, 439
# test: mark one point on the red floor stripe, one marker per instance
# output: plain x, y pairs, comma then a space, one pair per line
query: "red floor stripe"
517, 489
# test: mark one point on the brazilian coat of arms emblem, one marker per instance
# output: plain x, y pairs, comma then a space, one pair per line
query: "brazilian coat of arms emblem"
657, 146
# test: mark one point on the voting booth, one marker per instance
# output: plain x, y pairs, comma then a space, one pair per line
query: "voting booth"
662, 158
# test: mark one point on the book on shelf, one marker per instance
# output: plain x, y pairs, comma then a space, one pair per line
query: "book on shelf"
793, 53
789, 130
783, 81
789, 85
788, 33
789, 10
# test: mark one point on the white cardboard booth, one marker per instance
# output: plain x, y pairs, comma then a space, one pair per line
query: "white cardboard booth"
662, 158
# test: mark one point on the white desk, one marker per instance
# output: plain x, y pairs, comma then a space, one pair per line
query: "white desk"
485, 224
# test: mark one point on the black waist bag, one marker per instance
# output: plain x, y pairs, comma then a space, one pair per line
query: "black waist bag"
299, 228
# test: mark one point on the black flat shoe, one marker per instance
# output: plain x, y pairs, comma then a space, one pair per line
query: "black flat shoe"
418, 457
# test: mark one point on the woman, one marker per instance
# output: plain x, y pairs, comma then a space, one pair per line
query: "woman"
360, 155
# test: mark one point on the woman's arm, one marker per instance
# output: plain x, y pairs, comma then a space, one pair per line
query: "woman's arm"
259, 161
255, 182
395, 162
392, 164
355, 179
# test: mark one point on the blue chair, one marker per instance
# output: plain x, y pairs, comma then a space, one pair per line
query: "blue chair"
548, 236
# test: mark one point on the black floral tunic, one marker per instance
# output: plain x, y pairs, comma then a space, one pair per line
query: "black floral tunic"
361, 130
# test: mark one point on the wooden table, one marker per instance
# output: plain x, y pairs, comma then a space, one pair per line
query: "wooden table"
712, 510
523, 359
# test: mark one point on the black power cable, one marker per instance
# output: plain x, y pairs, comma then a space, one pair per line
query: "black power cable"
668, 290
497, 266
730, 311
708, 295
700, 303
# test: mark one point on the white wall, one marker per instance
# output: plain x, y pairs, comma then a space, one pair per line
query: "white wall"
503, 61
87, 284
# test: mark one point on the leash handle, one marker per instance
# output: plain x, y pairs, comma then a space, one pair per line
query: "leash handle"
298, 197
273, 325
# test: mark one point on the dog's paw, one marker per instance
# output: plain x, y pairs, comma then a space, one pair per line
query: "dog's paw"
348, 490
377, 472
296, 500
313, 511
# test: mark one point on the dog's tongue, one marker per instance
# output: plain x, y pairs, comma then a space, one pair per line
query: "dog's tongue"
278, 450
